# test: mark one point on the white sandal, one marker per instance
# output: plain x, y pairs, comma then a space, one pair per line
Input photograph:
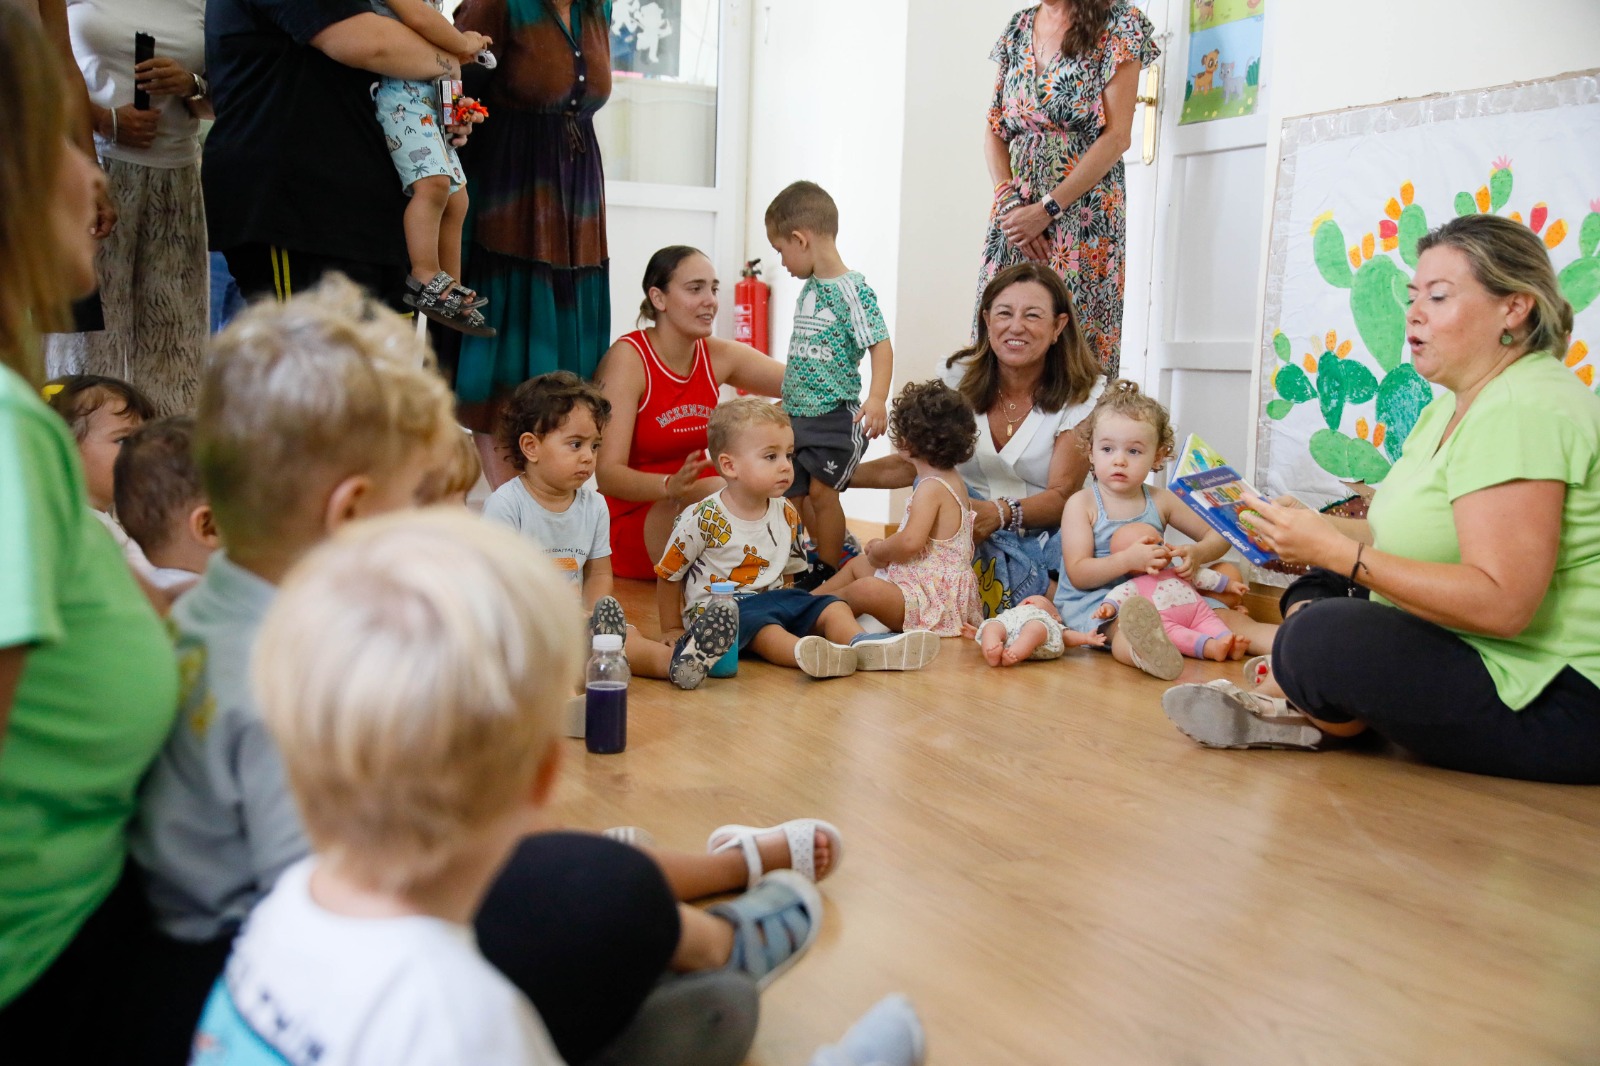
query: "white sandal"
801, 834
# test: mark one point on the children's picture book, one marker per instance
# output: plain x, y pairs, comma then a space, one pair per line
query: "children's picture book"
1196, 456
1217, 495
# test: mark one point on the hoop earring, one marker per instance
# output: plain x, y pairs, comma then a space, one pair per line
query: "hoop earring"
1506, 339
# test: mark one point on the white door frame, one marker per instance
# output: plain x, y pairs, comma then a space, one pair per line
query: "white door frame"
725, 201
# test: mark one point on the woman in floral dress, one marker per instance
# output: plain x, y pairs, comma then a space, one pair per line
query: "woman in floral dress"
1062, 117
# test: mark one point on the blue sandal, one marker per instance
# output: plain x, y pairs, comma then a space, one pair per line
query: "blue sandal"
773, 925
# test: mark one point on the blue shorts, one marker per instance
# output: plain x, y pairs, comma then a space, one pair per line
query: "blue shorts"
408, 113
795, 610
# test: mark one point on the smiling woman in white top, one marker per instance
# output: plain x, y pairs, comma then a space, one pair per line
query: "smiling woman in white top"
1031, 380
153, 268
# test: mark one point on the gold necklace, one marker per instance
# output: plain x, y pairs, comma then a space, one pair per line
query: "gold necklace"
1011, 423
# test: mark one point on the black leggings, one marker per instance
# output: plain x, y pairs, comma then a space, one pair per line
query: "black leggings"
1342, 658
585, 926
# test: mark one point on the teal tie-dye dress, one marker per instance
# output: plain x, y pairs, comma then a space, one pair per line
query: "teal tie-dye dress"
536, 245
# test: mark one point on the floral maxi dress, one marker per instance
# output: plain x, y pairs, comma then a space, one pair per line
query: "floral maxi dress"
1049, 118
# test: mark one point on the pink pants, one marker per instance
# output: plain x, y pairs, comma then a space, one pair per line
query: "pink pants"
1190, 625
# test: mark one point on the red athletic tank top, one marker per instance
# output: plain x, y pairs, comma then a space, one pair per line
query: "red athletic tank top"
670, 423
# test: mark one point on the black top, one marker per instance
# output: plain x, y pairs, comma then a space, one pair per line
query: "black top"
296, 158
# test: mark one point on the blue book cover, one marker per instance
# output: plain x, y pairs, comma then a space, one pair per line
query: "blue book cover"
1217, 496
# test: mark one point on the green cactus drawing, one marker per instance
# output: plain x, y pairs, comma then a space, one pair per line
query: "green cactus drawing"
1378, 298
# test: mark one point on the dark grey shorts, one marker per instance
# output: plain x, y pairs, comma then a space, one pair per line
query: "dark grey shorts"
827, 447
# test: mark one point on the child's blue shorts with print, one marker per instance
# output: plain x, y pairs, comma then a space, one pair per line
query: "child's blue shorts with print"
408, 112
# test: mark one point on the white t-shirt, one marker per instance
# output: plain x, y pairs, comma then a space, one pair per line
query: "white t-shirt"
1021, 467
710, 543
570, 538
102, 42
313, 988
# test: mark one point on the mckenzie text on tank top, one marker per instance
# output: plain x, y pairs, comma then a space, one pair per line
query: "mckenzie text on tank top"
673, 411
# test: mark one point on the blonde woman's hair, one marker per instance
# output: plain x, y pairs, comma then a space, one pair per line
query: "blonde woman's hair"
1508, 258
411, 671
1122, 397
35, 292
732, 418
300, 395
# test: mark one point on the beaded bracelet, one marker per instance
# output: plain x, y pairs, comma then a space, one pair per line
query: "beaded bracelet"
1016, 507
1004, 515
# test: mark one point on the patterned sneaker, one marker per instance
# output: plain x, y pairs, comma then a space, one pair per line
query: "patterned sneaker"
1153, 652
911, 650
821, 658
708, 637
607, 617
1220, 714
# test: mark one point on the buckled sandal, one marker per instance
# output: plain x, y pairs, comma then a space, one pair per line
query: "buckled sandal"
801, 834
442, 301
774, 924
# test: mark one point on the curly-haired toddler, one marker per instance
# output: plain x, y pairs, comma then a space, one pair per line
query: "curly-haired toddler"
921, 578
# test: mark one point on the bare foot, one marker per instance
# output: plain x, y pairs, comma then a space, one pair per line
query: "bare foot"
1217, 649
1074, 639
995, 654
1238, 647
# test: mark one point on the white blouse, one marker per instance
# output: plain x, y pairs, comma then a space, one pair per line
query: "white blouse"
1021, 467
102, 42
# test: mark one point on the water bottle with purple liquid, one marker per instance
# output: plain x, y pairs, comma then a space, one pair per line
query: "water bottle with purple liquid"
606, 697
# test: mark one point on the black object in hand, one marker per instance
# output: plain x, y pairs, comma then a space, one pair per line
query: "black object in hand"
144, 47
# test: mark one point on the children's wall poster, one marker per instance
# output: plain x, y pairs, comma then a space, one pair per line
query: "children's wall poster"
1356, 189
1224, 75
645, 37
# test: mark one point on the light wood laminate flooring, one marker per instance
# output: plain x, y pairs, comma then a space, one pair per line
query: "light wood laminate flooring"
1054, 874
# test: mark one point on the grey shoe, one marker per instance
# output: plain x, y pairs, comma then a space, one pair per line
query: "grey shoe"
698, 1019
707, 639
1153, 652
821, 658
1226, 716
911, 650
607, 618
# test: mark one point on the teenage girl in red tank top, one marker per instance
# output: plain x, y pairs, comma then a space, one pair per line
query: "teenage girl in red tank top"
662, 382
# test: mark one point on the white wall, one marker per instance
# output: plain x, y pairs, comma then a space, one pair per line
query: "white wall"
882, 104
828, 105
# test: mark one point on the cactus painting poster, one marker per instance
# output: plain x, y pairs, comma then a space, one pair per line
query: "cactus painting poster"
1356, 189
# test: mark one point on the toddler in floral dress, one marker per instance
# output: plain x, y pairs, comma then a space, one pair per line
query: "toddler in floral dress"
921, 578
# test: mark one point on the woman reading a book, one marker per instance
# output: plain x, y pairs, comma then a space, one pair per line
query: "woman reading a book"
1467, 632
1031, 379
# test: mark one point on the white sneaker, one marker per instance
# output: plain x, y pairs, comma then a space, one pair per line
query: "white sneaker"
911, 650
822, 658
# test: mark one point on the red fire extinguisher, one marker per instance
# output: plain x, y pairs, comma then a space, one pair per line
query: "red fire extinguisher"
750, 308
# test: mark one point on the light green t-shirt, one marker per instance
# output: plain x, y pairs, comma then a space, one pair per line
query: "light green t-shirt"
97, 695
1535, 422
835, 321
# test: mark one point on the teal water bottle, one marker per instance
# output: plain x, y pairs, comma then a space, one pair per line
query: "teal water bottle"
728, 665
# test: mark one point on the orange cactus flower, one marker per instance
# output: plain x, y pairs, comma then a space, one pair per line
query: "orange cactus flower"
1576, 353
1556, 233
1377, 435
1407, 191
1483, 198
1586, 374
1343, 350
1366, 246
1389, 244
1392, 209
1331, 341
1361, 428
1516, 216
1355, 257
1310, 364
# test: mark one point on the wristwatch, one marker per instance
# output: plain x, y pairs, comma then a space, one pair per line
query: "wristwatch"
1051, 207
201, 89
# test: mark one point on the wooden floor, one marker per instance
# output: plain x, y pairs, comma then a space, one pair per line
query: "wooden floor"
1054, 874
